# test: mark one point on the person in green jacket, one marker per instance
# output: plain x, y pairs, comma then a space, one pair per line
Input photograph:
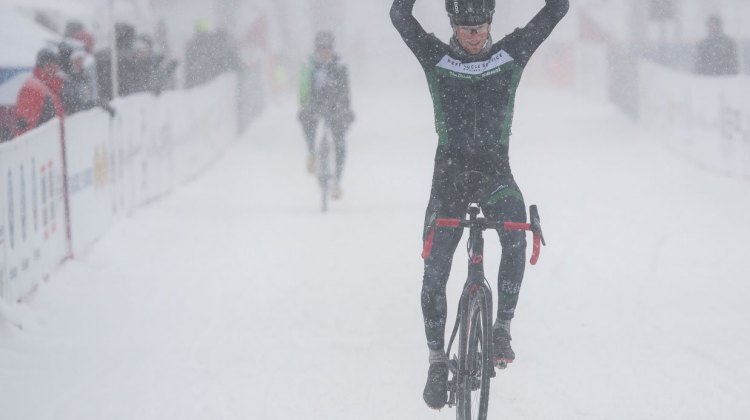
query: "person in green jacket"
324, 95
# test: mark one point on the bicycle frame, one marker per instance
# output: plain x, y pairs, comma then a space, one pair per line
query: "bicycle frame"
475, 247
475, 310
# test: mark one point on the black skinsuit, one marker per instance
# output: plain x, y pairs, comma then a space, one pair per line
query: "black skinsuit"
473, 98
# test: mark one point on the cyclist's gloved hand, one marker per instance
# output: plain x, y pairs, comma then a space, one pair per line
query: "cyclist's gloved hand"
349, 117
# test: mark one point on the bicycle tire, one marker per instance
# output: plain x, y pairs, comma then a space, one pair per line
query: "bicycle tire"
474, 366
324, 170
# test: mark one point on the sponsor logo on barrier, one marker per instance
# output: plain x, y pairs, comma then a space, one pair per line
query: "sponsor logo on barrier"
101, 167
11, 213
52, 196
45, 195
22, 203
34, 196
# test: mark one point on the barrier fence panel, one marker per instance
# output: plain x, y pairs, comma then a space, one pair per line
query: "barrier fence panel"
90, 182
150, 168
34, 209
19, 255
210, 124
114, 165
48, 206
124, 129
706, 119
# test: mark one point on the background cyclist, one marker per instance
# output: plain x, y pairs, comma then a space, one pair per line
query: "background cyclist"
473, 84
324, 94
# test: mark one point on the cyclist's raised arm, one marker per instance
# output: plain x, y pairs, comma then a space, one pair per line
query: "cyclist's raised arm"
415, 37
524, 41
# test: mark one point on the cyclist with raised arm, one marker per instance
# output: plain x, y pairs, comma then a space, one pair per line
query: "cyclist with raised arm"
324, 94
473, 84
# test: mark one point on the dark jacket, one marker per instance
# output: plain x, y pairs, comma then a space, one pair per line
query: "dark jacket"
324, 89
716, 56
127, 66
473, 96
38, 101
76, 93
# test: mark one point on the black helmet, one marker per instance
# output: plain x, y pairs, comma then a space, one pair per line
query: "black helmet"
324, 40
470, 12
46, 56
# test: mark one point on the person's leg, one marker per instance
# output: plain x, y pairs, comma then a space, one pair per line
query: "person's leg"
309, 125
439, 246
339, 142
338, 131
506, 203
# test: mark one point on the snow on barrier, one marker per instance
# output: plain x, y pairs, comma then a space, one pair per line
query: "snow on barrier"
114, 165
706, 119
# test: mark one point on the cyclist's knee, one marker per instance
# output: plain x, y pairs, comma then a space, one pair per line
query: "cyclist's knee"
513, 241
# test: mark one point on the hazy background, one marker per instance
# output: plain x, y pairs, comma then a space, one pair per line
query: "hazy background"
233, 297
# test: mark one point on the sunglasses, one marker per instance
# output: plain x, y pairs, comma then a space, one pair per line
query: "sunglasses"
482, 29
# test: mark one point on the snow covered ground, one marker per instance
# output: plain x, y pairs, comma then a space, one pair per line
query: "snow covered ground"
235, 298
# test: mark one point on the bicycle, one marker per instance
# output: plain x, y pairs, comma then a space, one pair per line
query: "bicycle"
326, 165
471, 367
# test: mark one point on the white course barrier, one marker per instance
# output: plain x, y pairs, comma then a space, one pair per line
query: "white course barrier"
114, 165
706, 119
33, 230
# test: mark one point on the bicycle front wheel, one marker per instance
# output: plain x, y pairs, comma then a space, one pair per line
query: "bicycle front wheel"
474, 366
324, 171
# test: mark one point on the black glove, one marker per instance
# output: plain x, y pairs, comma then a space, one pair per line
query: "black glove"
349, 117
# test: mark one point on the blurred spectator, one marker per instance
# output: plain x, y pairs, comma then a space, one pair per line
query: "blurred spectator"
198, 56
139, 69
161, 40
7, 118
76, 31
163, 52
227, 58
147, 65
208, 55
76, 93
154, 71
39, 97
126, 64
717, 53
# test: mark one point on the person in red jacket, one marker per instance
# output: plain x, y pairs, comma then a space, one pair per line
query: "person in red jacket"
39, 98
